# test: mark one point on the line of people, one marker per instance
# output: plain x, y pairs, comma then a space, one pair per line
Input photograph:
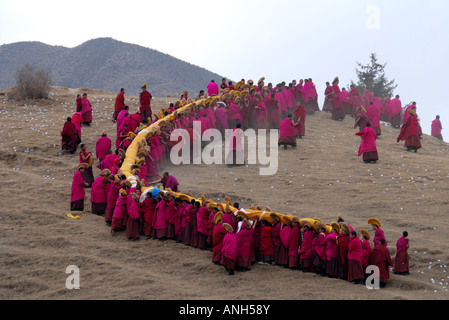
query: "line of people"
160, 214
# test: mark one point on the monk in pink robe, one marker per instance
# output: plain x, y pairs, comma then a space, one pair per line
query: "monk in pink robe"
99, 193
319, 261
401, 261
77, 191
229, 251
120, 215
436, 128
86, 110
121, 116
368, 147
355, 260
134, 121
287, 134
102, 146
276, 233
373, 114
395, 112
305, 251
332, 255
160, 220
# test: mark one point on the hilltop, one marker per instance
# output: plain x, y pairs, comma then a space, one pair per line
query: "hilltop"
106, 64
322, 178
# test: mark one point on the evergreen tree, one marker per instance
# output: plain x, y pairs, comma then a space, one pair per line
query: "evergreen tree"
372, 77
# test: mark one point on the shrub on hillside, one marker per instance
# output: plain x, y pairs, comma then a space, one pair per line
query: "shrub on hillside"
32, 83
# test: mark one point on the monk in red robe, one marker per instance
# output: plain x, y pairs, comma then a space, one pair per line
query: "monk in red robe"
245, 233
382, 259
410, 132
354, 100
87, 157
132, 231
338, 113
145, 103
319, 261
327, 105
218, 234
294, 242
374, 116
119, 104
305, 251
69, 136
401, 261
332, 253
300, 118
266, 243
78, 103
343, 244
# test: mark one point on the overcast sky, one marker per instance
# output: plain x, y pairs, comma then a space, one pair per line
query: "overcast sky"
280, 40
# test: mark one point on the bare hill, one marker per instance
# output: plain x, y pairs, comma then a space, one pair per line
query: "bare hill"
322, 178
106, 64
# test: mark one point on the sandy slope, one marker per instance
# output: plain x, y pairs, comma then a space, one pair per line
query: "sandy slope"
322, 178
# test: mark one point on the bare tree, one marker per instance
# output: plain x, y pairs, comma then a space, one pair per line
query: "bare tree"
32, 83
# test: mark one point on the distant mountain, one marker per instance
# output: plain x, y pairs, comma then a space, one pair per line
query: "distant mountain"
106, 64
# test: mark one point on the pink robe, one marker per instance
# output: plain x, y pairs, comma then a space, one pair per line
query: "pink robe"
77, 191
99, 190
202, 217
368, 143
120, 210
102, 146
286, 128
230, 246
86, 110
436, 128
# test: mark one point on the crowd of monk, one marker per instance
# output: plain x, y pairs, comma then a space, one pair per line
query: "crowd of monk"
236, 242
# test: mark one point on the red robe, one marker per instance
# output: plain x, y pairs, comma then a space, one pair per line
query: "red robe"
382, 259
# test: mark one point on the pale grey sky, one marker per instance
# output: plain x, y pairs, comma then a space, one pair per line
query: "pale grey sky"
280, 40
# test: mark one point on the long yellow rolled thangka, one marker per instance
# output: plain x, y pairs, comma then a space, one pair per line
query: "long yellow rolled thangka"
253, 213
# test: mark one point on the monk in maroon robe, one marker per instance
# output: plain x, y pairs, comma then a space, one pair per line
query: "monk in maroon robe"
401, 261
382, 259
294, 242
145, 104
410, 132
119, 104
69, 136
